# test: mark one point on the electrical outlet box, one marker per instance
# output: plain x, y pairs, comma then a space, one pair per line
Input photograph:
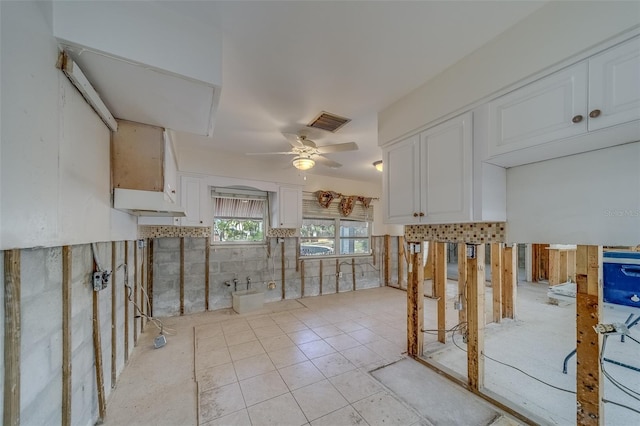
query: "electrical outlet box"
271, 285
457, 306
159, 341
97, 281
339, 274
280, 240
141, 243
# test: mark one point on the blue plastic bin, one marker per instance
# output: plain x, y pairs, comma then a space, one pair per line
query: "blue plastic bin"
621, 277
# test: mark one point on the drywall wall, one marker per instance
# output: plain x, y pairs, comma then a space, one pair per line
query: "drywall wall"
590, 198
553, 33
55, 173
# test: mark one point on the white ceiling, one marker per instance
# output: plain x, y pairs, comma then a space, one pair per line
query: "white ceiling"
285, 62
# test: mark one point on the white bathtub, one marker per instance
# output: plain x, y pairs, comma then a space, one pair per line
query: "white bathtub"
247, 300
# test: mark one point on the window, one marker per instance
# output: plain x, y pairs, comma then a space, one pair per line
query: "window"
325, 232
239, 217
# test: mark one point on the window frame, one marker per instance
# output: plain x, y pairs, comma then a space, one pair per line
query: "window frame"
337, 239
241, 194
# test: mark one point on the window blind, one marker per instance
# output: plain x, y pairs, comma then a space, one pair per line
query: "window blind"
239, 208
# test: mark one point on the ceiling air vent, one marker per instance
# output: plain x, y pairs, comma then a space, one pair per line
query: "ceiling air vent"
328, 121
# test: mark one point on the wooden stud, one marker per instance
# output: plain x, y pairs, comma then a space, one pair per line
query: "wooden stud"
554, 267
415, 302
282, 266
97, 350
12, 337
589, 386
497, 254
387, 259
114, 312
207, 255
143, 283
571, 265
302, 278
428, 266
66, 335
337, 276
126, 302
297, 253
563, 267
374, 252
150, 278
440, 282
509, 281
462, 281
476, 319
353, 272
181, 276
401, 260
320, 293
135, 293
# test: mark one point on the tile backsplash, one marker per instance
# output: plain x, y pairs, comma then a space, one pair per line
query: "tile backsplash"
471, 233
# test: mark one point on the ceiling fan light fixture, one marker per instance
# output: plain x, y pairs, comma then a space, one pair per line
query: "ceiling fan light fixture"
378, 165
303, 163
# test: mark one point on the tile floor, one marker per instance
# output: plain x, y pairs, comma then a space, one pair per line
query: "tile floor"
305, 365
296, 362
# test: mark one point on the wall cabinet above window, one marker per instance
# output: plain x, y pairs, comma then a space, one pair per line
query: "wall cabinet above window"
590, 105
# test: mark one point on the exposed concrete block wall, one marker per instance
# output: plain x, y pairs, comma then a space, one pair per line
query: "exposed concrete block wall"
261, 263
41, 331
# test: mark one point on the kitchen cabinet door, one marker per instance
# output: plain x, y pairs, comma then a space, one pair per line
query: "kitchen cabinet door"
550, 109
614, 86
289, 207
401, 182
191, 201
448, 170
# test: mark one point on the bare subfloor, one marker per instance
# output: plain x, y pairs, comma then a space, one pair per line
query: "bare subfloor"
295, 362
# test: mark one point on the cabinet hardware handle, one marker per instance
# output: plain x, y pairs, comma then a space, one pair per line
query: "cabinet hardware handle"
595, 113
415, 215
421, 214
200, 221
173, 191
578, 118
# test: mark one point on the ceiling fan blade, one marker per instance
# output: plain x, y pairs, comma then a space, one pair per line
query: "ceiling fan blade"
326, 162
339, 147
293, 139
272, 153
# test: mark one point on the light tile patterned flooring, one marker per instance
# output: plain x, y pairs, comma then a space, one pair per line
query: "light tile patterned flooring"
305, 365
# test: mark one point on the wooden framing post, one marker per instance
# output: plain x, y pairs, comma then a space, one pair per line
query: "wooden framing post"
181, 276
114, 312
337, 276
150, 277
415, 302
12, 337
510, 281
143, 278
476, 319
554, 267
353, 272
302, 278
282, 263
66, 335
97, 350
440, 283
126, 302
135, 292
401, 260
320, 291
207, 255
589, 386
462, 281
497, 253
387, 259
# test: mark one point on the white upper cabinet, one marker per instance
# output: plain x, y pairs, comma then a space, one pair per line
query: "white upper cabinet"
428, 178
590, 105
402, 181
289, 213
447, 170
194, 200
614, 86
549, 109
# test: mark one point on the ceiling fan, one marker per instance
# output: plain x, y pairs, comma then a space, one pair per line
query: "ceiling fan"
307, 153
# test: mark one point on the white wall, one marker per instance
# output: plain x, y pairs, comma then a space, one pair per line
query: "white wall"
203, 160
590, 198
550, 35
55, 172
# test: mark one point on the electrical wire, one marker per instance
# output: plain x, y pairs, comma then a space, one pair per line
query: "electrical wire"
606, 401
141, 314
628, 391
